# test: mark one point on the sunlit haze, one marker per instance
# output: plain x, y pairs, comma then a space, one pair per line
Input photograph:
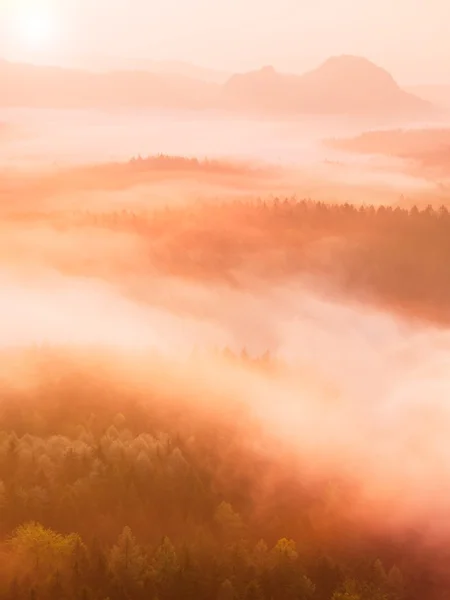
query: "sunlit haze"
235, 35
224, 300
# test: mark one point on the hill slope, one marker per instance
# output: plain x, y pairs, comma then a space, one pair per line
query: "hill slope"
341, 85
53, 87
438, 94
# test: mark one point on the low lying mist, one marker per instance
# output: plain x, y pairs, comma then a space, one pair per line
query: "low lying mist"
277, 316
362, 394
49, 139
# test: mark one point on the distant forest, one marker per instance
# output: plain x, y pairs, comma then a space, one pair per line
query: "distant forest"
394, 257
429, 148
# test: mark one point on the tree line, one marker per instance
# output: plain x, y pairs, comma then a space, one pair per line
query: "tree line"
391, 256
114, 491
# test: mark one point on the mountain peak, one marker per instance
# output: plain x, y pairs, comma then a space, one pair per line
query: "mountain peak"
345, 84
268, 70
358, 69
349, 59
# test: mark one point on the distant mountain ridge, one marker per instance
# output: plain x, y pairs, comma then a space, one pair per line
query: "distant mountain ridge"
56, 87
341, 85
101, 63
344, 85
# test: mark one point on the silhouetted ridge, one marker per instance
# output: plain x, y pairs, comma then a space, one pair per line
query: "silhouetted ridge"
268, 70
352, 71
53, 87
340, 85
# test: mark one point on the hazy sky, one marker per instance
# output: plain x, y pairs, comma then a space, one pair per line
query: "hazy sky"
408, 37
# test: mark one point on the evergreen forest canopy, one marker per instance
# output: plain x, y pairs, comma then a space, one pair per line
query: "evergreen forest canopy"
112, 489
115, 491
392, 257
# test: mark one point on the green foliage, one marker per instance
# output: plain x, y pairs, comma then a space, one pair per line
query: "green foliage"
229, 522
285, 551
42, 548
127, 561
350, 590
169, 504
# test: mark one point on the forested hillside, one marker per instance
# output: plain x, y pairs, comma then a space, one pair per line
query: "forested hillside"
112, 491
112, 488
395, 258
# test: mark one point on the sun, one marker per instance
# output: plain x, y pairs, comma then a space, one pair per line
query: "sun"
36, 30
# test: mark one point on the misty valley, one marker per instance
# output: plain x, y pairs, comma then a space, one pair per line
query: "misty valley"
224, 337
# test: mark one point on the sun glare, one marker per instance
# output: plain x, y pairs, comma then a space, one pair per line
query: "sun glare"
36, 30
